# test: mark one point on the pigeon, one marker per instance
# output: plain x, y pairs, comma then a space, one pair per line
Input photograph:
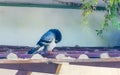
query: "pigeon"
47, 42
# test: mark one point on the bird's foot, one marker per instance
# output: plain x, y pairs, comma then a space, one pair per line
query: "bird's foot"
46, 54
50, 53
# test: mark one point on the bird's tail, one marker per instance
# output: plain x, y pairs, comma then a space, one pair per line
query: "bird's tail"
33, 51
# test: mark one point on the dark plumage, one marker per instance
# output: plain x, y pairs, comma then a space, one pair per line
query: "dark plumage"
48, 41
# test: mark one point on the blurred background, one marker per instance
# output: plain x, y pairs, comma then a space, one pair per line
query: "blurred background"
23, 26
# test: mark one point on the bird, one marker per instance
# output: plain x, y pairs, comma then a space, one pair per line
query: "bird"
47, 42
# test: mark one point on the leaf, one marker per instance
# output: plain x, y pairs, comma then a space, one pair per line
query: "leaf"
96, 2
118, 25
114, 22
105, 24
111, 2
83, 0
118, 1
99, 32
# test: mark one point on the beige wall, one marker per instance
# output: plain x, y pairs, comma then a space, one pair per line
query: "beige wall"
88, 70
25, 25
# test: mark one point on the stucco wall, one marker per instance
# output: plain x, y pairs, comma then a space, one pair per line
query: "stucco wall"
25, 25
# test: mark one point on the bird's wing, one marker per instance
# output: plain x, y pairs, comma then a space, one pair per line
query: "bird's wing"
46, 38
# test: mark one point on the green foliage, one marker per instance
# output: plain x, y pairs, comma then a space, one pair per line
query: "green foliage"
99, 32
110, 16
118, 1
111, 2
88, 7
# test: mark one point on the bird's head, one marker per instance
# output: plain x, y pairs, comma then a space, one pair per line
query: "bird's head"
58, 35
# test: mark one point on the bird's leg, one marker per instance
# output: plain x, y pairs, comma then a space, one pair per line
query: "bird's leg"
47, 53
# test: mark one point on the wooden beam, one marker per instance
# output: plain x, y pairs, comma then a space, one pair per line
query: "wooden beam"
23, 73
53, 66
29, 66
44, 68
58, 69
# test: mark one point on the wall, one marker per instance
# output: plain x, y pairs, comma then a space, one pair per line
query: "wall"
25, 26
